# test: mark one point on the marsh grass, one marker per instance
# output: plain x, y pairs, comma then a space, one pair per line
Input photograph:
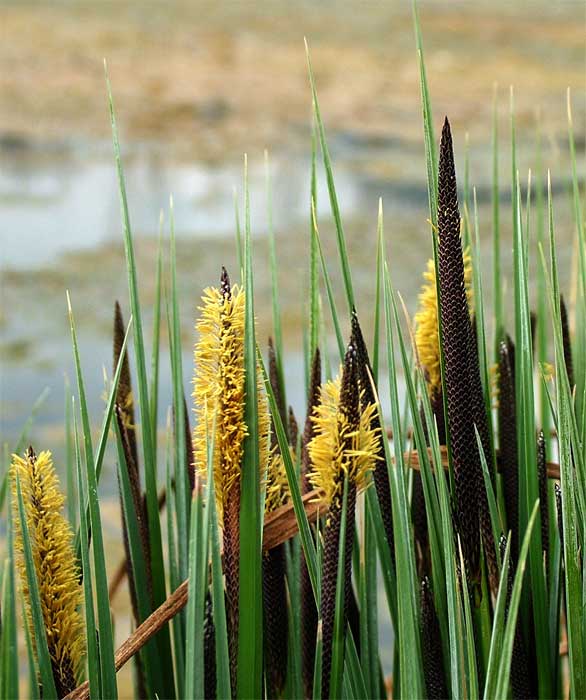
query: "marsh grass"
466, 613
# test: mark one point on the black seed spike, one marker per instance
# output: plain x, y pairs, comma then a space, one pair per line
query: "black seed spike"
276, 387
124, 415
225, 287
520, 680
275, 620
209, 650
293, 428
533, 326
313, 398
543, 499
135, 491
457, 344
380, 474
566, 341
508, 443
189, 458
349, 390
124, 390
309, 615
558, 504
350, 406
419, 520
511, 350
481, 422
273, 572
330, 577
431, 645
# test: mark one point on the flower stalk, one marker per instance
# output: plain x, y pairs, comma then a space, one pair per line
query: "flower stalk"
219, 396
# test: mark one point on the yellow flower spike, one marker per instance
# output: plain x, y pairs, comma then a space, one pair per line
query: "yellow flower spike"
329, 460
218, 389
426, 322
55, 564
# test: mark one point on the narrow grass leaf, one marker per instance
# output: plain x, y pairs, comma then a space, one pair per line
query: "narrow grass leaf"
9, 642
509, 632
93, 659
411, 668
155, 354
250, 598
157, 565
341, 240
498, 626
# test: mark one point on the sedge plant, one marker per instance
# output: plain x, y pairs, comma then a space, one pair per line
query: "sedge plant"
254, 551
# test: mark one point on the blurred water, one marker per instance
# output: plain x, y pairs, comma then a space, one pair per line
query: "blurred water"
61, 228
66, 199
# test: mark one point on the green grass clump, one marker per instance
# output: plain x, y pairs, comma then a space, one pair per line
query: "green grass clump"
254, 554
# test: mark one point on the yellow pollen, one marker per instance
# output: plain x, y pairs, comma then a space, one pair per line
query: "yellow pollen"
330, 457
218, 392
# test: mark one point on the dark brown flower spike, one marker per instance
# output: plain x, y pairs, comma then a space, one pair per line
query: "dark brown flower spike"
508, 442
309, 615
566, 341
273, 562
124, 412
209, 650
481, 423
293, 429
276, 387
275, 620
456, 344
344, 449
543, 497
431, 645
124, 397
420, 531
558, 507
520, 679
380, 476
189, 458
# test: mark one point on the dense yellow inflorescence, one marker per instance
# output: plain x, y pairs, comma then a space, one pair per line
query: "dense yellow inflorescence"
219, 392
54, 560
426, 322
330, 458
277, 486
